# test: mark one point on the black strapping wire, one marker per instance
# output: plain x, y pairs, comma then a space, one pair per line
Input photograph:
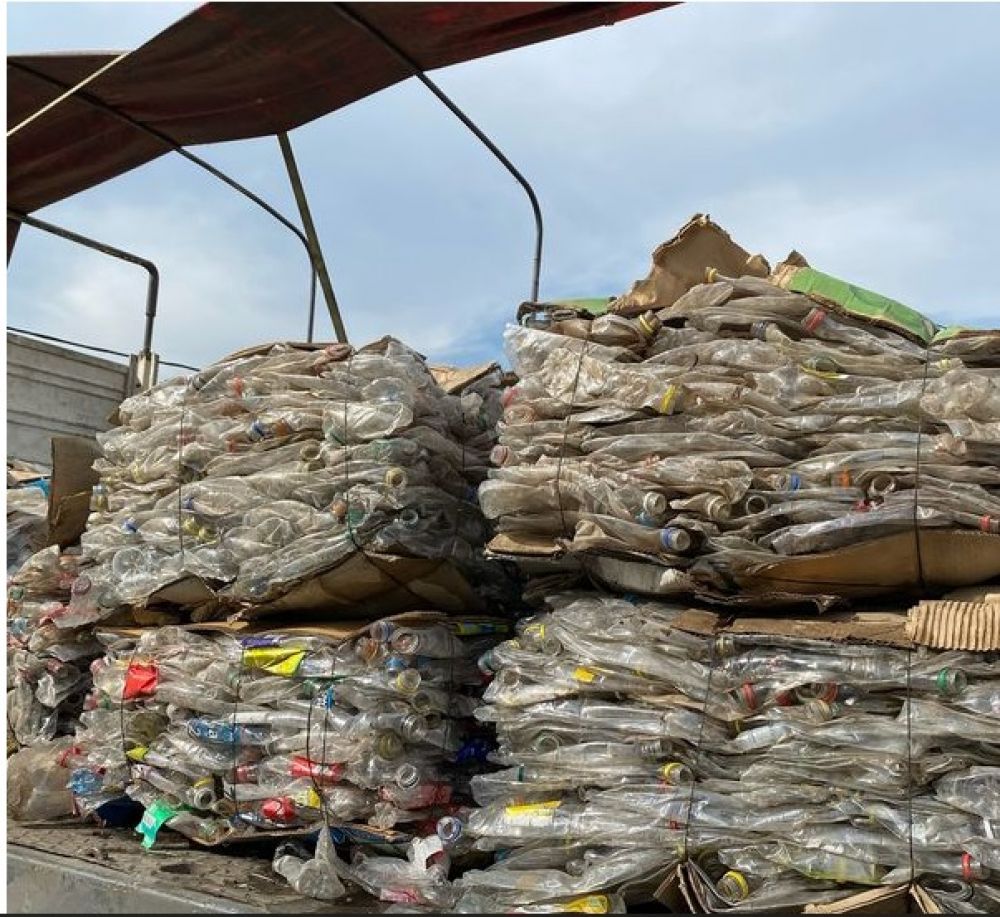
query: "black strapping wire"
917, 469
584, 345
359, 547
312, 764
689, 810
93, 347
121, 709
236, 745
909, 756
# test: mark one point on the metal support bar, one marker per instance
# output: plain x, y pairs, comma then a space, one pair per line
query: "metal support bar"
152, 286
101, 105
316, 252
351, 16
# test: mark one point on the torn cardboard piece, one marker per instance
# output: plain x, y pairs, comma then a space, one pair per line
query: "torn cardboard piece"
73, 478
923, 558
360, 585
956, 625
680, 263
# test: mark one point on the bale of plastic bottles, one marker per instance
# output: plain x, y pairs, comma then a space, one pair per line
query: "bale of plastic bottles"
220, 735
275, 466
744, 425
48, 660
781, 771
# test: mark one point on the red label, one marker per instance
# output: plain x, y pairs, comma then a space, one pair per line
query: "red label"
280, 810
141, 680
301, 766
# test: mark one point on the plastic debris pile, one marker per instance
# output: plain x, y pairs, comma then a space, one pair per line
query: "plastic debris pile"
744, 424
27, 512
48, 660
270, 468
784, 771
219, 736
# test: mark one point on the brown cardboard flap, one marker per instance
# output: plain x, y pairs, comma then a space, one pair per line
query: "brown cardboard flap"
955, 625
524, 546
935, 557
680, 263
377, 583
73, 477
671, 895
454, 378
895, 900
360, 586
883, 628
188, 592
332, 630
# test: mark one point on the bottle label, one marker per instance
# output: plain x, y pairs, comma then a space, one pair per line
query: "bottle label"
532, 813
585, 675
669, 399
140, 680
277, 660
154, 818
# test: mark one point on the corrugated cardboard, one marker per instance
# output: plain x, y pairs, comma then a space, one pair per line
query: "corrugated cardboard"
671, 895
879, 627
936, 558
362, 584
454, 378
909, 561
680, 263
895, 900
938, 625
73, 478
956, 625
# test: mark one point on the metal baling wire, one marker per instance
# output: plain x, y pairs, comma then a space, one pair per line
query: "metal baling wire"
121, 708
909, 757
237, 732
359, 547
919, 465
712, 662
326, 697
584, 346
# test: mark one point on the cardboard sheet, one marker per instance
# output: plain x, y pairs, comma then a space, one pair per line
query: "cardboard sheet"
680, 263
73, 477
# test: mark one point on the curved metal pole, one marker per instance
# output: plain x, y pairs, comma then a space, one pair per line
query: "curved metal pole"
152, 287
315, 252
353, 17
99, 104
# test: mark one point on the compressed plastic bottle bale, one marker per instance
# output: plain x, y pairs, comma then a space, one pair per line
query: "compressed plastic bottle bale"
219, 735
784, 771
742, 426
271, 468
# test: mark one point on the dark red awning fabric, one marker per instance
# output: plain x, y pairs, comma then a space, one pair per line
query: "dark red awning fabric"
229, 71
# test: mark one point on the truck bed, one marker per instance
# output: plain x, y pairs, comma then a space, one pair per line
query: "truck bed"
82, 869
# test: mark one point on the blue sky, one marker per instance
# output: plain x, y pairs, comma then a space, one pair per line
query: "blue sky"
859, 134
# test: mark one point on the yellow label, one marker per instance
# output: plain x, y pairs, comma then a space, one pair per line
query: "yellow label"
590, 904
545, 810
821, 374
138, 753
204, 781
669, 398
587, 676
278, 660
